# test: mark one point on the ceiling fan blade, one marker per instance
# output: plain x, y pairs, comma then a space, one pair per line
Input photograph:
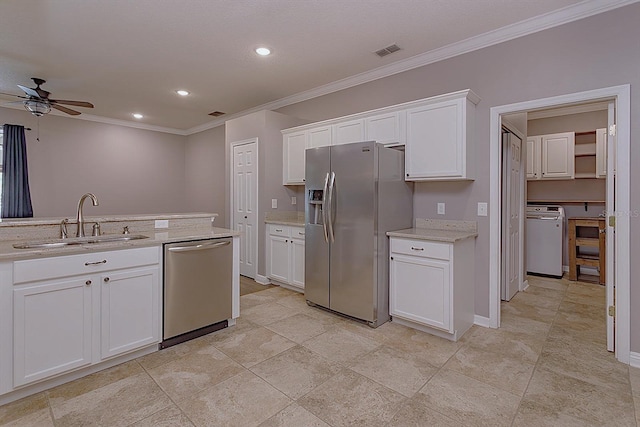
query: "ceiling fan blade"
17, 96
29, 91
74, 103
42, 93
65, 110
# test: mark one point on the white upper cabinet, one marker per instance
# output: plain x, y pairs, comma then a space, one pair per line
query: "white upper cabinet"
436, 132
320, 136
533, 157
347, 132
388, 129
601, 153
439, 139
558, 159
293, 147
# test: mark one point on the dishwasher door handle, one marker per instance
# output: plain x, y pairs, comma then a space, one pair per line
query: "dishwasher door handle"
200, 247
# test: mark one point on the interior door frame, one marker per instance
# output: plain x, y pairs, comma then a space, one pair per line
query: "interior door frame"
522, 285
622, 97
232, 181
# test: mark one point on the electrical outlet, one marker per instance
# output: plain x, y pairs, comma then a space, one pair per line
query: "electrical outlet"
440, 208
294, 201
274, 203
162, 223
482, 209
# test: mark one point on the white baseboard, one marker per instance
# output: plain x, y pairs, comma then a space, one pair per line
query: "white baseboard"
482, 321
634, 359
263, 280
525, 285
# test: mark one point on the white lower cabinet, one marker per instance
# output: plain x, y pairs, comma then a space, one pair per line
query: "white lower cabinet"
285, 255
52, 328
431, 285
129, 312
110, 298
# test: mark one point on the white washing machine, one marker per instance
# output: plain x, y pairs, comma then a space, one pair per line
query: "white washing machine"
544, 234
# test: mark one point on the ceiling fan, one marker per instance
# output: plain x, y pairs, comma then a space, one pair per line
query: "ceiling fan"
38, 103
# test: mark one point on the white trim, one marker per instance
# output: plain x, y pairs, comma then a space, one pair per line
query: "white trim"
257, 189
532, 25
634, 359
263, 280
622, 94
556, 18
525, 285
485, 322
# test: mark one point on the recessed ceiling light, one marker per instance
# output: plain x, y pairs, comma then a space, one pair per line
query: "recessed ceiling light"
182, 92
263, 51
137, 115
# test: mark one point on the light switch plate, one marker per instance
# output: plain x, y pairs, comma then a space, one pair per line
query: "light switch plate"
162, 223
294, 201
482, 209
440, 208
274, 203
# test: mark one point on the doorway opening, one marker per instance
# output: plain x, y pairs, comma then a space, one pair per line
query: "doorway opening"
617, 273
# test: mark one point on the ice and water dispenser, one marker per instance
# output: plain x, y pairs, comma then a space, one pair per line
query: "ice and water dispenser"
315, 206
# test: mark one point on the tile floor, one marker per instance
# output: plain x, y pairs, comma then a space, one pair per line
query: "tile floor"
287, 364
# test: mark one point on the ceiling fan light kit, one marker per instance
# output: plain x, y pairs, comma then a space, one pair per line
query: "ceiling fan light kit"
38, 103
36, 107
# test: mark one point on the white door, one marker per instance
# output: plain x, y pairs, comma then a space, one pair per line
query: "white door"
351, 131
558, 159
511, 215
245, 201
278, 260
610, 277
297, 259
319, 137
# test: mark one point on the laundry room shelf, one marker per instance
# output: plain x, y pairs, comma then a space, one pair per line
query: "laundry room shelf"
587, 233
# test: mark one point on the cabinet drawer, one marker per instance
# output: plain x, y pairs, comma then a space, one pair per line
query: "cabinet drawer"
89, 263
421, 248
279, 230
297, 232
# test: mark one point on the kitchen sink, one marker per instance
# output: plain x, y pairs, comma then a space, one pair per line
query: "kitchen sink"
59, 243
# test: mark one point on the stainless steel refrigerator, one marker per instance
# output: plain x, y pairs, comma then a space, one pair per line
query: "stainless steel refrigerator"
354, 194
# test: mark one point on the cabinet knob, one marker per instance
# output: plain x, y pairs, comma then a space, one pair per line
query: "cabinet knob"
245, 217
88, 282
106, 280
391, 258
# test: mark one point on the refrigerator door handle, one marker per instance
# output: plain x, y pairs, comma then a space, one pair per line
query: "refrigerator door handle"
325, 190
332, 182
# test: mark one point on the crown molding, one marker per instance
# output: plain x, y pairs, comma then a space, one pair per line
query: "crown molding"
519, 29
556, 18
565, 111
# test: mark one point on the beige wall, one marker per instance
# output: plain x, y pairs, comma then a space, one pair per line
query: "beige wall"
205, 173
130, 170
566, 59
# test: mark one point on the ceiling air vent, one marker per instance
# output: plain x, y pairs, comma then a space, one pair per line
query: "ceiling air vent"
216, 114
387, 50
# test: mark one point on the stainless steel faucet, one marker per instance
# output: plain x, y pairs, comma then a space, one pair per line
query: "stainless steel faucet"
80, 216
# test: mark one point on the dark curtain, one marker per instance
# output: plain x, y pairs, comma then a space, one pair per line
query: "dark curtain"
16, 198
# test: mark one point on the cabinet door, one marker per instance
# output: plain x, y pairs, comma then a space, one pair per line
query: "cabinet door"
387, 128
347, 132
435, 139
319, 137
533, 157
601, 153
420, 290
293, 146
558, 159
130, 310
297, 260
278, 258
52, 328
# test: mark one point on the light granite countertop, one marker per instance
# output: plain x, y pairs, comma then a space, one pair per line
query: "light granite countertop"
291, 218
438, 230
181, 227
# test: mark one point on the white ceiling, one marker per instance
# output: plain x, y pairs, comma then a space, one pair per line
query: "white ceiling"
129, 56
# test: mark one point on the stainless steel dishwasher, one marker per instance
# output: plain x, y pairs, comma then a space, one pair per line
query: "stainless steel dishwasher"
197, 288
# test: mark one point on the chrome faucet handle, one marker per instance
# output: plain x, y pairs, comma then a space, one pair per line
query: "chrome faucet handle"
63, 228
96, 229
125, 230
